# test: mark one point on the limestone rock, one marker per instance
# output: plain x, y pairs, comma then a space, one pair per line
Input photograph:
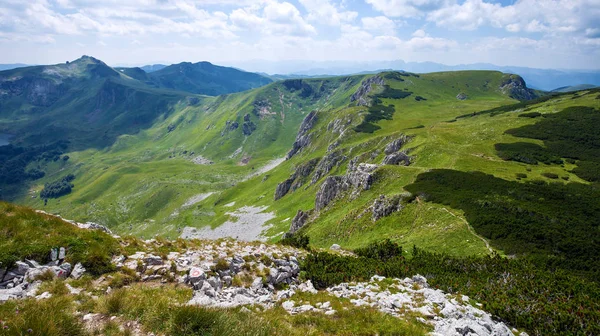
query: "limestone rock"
515, 87
303, 138
356, 180
361, 94
385, 206
299, 220
462, 96
399, 158
396, 145
78, 271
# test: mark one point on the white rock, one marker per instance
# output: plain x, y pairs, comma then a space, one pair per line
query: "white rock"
78, 271
288, 305
335, 247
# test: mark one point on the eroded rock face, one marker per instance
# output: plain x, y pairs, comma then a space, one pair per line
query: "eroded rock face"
299, 220
515, 87
297, 179
361, 95
303, 138
330, 160
396, 145
393, 154
385, 206
357, 180
399, 158
283, 188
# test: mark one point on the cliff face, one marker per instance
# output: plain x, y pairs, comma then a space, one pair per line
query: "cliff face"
514, 86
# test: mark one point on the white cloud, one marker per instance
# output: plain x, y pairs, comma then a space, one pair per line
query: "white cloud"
530, 16
322, 11
379, 24
407, 8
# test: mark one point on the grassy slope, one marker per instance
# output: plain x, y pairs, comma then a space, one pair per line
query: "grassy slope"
144, 179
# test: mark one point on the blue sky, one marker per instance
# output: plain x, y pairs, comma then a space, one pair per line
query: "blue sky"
534, 33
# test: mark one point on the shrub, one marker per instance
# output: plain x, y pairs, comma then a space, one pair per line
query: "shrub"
58, 188
550, 175
298, 240
383, 250
221, 265
521, 175
530, 115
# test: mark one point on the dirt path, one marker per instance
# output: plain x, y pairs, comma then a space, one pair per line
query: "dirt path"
470, 228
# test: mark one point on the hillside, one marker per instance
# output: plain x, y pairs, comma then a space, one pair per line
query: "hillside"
574, 88
205, 78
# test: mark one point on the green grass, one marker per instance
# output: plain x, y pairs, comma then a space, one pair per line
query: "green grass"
25, 234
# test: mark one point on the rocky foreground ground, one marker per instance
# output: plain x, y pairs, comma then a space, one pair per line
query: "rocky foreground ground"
229, 273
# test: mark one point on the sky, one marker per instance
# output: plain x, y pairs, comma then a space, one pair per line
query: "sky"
534, 33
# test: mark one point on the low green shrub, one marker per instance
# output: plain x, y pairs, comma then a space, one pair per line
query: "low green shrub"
381, 250
297, 240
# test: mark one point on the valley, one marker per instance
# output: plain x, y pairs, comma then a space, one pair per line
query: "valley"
470, 167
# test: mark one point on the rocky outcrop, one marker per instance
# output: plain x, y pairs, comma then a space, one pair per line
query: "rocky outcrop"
303, 138
358, 180
514, 86
283, 188
361, 94
447, 314
385, 206
297, 179
399, 158
396, 145
331, 160
248, 126
299, 220
462, 96
393, 154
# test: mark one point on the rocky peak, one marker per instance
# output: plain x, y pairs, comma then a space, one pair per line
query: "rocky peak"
361, 94
514, 86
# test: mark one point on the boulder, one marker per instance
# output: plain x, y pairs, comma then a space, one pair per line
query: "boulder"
335, 247
153, 260
78, 271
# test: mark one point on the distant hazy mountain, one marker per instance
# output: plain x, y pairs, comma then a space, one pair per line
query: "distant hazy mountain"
574, 88
84, 101
206, 78
11, 66
153, 67
543, 79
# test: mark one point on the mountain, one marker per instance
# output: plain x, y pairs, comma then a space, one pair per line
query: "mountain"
543, 79
206, 78
443, 174
84, 100
153, 67
11, 66
574, 88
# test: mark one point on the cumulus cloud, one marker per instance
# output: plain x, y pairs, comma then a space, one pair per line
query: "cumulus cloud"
379, 24
407, 8
323, 11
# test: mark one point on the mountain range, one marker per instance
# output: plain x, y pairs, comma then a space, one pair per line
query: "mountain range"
542, 79
464, 167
